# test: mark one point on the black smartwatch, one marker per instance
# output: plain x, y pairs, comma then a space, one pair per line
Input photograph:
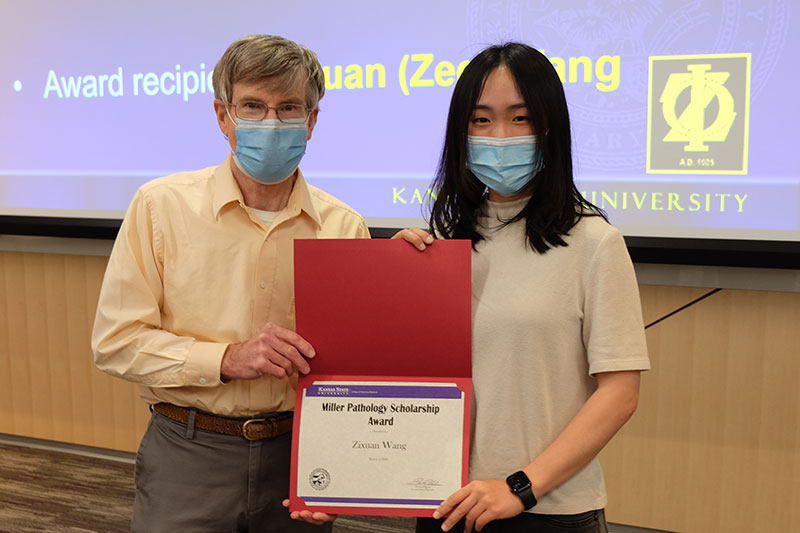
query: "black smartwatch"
520, 485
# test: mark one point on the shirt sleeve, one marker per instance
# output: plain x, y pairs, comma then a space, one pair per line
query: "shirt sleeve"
363, 231
613, 330
127, 339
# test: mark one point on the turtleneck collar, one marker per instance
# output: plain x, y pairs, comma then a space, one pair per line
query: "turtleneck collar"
505, 210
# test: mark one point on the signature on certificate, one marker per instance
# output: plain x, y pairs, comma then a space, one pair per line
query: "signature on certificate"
423, 484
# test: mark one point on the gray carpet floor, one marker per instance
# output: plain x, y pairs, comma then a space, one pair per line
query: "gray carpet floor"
50, 491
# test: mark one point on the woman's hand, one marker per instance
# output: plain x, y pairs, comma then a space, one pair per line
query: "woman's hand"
308, 516
417, 237
479, 503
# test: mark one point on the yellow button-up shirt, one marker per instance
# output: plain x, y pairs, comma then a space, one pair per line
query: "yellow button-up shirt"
192, 270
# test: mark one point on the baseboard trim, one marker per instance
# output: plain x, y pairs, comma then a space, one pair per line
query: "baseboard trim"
65, 447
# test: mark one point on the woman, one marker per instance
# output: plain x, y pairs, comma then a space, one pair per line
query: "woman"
558, 340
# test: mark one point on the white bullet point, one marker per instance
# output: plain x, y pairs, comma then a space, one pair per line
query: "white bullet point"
18, 86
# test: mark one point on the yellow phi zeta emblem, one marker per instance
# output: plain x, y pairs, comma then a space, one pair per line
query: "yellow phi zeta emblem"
698, 129
705, 86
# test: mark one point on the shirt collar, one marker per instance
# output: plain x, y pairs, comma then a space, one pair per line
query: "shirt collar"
300, 199
226, 190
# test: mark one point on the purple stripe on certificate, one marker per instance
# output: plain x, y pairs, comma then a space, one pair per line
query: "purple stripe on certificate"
370, 501
385, 391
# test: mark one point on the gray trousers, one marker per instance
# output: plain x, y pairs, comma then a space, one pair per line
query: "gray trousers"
191, 480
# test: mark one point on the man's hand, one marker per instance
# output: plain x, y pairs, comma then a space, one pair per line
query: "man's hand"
313, 518
417, 237
479, 503
273, 351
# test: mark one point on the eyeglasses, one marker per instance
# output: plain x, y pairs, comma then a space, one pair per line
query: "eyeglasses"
288, 113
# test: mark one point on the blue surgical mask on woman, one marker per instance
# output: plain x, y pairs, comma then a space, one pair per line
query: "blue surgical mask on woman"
269, 150
505, 165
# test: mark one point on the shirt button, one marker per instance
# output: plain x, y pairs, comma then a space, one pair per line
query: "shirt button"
202, 381
262, 285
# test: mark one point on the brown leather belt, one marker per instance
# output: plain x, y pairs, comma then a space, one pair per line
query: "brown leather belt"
250, 429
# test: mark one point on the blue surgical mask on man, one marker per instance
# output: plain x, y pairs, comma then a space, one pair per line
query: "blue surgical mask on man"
505, 165
269, 151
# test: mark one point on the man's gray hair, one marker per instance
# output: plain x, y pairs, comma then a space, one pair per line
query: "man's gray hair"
272, 59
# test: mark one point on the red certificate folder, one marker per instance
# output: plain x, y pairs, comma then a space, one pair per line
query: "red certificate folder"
381, 310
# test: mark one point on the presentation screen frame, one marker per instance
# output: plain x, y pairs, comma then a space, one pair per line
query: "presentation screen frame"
658, 250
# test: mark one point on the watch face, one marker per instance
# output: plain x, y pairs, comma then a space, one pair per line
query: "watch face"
518, 481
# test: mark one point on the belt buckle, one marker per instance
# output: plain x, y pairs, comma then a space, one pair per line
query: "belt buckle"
246, 428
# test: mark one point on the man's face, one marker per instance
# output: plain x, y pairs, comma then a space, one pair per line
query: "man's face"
265, 93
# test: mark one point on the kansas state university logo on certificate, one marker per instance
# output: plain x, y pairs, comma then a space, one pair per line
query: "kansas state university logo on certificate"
319, 479
698, 114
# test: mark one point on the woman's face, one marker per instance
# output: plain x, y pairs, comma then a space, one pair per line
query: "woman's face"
500, 110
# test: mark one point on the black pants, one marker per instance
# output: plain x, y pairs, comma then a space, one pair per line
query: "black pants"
589, 522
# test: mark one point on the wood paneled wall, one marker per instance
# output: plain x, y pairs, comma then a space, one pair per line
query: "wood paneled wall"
713, 447
715, 443
49, 388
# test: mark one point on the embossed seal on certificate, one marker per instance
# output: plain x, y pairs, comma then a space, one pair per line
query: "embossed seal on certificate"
319, 479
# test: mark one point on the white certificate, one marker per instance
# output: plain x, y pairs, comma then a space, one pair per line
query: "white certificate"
380, 445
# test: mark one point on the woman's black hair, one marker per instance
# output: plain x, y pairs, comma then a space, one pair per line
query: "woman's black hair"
556, 204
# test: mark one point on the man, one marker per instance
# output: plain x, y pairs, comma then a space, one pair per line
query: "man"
197, 304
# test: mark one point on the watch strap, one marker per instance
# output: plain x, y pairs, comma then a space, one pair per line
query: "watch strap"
520, 485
